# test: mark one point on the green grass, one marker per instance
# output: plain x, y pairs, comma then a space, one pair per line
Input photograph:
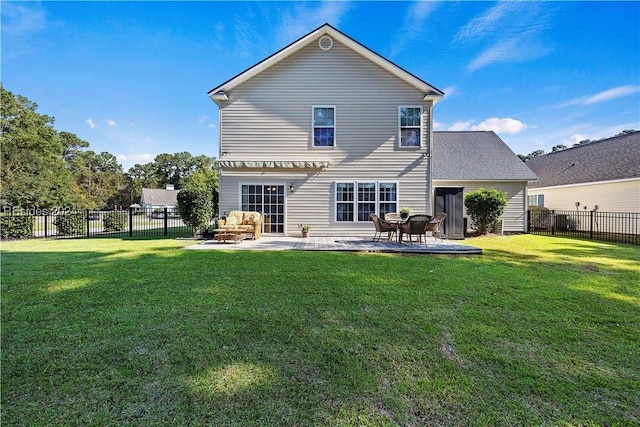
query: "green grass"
537, 331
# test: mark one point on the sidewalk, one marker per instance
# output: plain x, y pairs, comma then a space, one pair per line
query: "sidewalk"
346, 244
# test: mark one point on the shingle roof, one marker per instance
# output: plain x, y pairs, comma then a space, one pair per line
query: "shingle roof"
476, 156
605, 160
159, 197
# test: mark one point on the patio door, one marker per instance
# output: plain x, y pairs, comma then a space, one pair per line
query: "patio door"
267, 199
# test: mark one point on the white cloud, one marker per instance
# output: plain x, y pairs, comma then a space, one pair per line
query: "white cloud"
90, 123
458, 126
610, 94
438, 125
512, 32
604, 96
504, 125
135, 158
306, 16
111, 123
19, 20
449, 90
498, 125
212, 126
478, 27
412, 25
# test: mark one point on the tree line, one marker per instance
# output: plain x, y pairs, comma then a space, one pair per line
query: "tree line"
46, 169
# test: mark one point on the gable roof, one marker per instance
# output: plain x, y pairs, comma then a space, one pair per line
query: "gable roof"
159, 197
217, 94
605, 160
476, 156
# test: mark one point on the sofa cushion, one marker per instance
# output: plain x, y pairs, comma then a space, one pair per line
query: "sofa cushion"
231, 222
251, 217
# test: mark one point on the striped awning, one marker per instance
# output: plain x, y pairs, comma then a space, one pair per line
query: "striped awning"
274, 164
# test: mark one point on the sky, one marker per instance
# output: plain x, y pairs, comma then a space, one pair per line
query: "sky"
131, 78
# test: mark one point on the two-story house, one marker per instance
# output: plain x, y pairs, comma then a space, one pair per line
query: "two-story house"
326, 132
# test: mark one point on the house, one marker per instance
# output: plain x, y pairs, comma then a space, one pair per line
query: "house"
156, 199
467, 161
325, 132
601, 175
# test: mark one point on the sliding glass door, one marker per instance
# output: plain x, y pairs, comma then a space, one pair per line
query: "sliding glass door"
268, 199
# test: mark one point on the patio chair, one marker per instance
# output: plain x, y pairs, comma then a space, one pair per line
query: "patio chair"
434, 225
382, 226
416, 225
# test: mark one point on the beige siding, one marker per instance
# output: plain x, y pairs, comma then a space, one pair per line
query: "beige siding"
514, 217
269, 118
619, 196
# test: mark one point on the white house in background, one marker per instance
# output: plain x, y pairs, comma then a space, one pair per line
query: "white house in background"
326, 132
602, 175
158, 198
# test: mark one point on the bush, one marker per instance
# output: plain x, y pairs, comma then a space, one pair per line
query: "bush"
195, 207
539, 217
71, 224
16, 226
485, 207
115, 221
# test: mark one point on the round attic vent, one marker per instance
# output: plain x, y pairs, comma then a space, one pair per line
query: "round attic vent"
325, 43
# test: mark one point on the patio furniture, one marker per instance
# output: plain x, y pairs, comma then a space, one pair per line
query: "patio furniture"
415, 225
392, 216
383, 226
434, 225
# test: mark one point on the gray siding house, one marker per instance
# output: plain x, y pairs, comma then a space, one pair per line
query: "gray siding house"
602, 175
326, 132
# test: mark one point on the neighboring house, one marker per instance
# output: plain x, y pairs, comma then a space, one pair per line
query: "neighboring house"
602, 175
467, 161
325, 132
156, 198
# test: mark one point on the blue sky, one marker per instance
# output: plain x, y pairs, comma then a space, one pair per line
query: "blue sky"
131, 78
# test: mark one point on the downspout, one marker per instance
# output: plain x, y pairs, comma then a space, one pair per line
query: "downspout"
430, 157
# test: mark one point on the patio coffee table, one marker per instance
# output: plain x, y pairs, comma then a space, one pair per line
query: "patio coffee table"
231, 234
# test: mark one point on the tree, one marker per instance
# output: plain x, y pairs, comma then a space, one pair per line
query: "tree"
98, 179
558, 147
206, 178
33, 173
531, 155
195, 207
485, 207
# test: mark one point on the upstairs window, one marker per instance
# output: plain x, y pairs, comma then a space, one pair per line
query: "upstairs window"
410, 121
324, 126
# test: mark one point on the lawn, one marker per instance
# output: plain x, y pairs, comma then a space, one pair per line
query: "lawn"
537, 331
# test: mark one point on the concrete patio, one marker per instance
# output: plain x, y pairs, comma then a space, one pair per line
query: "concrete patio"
346, 244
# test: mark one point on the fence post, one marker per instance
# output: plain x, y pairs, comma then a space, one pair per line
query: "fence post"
166, 220
591, 225
130, 221
46, 218
553, 222
87, 216
528, 220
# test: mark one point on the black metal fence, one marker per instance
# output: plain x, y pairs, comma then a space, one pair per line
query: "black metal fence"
617, 227
131, 222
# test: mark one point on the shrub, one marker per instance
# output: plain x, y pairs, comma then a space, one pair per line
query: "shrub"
71, 224
16, 226
538, 217
195, 207
485, 207
115, 221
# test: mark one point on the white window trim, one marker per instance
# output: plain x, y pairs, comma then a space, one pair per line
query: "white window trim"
335, 127
421, 127
355, 201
